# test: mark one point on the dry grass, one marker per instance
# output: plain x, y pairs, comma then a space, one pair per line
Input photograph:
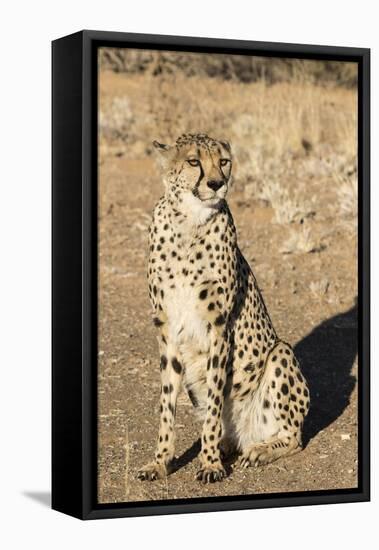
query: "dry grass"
282, 136
347, 197
263, 122
301, 241
319, 288
288, 209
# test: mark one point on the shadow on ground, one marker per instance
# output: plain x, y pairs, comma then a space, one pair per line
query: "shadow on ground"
326, 357
185, 458
191, 453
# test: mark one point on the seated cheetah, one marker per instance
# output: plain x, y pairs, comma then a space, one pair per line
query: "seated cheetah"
214, 333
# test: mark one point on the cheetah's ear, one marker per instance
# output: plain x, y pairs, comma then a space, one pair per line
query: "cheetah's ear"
226, 145
162, 148
165, 153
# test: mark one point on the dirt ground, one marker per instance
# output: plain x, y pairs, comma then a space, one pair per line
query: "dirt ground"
307, 271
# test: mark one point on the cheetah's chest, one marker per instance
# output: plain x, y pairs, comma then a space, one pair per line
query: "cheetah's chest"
185, 324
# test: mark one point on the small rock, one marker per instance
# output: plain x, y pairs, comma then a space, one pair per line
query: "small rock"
345, 437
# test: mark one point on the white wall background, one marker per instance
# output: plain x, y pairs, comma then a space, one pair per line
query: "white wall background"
27, 29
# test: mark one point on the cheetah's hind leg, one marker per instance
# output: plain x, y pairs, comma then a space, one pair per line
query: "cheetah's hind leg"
278, 410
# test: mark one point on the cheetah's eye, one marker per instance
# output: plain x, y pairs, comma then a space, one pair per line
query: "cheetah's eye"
193, 162
224, 162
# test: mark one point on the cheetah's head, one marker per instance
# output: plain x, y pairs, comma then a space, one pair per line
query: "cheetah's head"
198, 165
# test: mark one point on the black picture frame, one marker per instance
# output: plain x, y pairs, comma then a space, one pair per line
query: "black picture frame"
74, 273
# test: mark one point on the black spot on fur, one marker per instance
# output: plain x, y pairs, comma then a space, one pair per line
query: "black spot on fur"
203, 294
219, 320
176, 365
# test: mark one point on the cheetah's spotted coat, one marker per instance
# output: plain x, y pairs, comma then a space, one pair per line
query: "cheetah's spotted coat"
214, 333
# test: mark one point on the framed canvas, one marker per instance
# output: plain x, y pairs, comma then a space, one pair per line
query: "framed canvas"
210, 275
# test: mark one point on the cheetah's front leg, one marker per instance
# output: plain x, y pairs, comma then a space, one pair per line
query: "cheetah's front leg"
211, 466
171, 377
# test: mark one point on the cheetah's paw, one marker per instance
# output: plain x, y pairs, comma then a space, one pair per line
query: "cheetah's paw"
258, 455
152, 471
211, 473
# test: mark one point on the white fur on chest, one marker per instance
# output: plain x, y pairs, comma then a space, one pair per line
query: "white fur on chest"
185, 325
197, 212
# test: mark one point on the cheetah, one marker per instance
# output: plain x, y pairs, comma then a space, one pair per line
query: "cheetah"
215, 336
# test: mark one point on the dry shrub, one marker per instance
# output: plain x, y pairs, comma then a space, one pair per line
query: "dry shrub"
346, 185
287, 209
237, 67
319, 288
301, 241
116, 119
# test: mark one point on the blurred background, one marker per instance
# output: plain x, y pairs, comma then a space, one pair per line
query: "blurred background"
292, 125
276, 112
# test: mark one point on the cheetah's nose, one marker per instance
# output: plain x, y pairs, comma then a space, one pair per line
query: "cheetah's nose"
215, 184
